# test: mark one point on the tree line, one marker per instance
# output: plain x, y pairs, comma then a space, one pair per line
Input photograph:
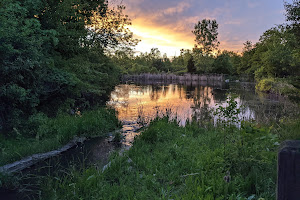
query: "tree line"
275, 55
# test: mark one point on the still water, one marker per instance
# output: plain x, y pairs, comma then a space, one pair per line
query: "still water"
139, 103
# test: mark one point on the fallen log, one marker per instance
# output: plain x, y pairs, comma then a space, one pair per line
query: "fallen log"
35, 158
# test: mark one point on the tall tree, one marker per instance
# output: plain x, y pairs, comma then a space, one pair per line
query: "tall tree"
110, 30
206, 32
70, 19
293, 15
27, 74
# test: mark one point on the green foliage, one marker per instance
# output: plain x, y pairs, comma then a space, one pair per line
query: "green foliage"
23, 65
225, 63
110, 30
288, 129
229, 114
42, 134
52, 53
203, 63
293, 16
265, 85
151, 62
180, 163
206, 32
280, 86
277, 52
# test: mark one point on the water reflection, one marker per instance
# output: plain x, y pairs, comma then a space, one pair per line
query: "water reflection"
186, 101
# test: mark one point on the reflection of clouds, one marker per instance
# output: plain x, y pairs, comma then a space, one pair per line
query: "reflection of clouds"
159, 100
193, 102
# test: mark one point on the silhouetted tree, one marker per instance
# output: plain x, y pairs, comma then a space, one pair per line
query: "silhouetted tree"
206, 32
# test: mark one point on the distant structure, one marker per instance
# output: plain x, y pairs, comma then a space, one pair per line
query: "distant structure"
194, 79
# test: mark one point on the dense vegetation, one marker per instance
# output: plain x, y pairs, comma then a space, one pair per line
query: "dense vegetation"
52, 57
52, 133
191, 162
62, 57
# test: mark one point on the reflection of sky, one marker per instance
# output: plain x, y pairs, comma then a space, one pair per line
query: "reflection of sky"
182, 101
167, 24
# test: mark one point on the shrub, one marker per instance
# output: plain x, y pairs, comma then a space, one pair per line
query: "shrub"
265, 85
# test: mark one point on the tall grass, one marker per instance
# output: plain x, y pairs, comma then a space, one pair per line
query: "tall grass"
172, 162
53, 133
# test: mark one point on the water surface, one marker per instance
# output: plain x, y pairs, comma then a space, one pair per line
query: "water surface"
139, 103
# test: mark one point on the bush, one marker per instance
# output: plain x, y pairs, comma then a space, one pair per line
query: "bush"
265, 85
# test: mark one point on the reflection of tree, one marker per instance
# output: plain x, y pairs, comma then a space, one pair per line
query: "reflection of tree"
155, 92
189, 91
180, 91
164, 90
265, 107
262, 108
201, 100
202, 114
173, 88
219, 95
121, 95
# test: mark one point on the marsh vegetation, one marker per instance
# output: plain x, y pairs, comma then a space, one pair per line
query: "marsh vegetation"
60, 70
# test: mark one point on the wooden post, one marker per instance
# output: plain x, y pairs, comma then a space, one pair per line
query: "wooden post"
288, 180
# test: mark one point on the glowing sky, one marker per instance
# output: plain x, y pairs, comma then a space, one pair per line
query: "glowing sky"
167, 24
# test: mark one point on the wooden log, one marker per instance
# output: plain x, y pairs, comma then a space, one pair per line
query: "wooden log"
288, 179
35, 158
31, 160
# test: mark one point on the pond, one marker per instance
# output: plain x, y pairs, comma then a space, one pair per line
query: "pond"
139, 103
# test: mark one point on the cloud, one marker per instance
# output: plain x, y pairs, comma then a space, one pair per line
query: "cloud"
168, 23
182, 6
253, 4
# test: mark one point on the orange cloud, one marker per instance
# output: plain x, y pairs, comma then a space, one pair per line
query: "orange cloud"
167, 24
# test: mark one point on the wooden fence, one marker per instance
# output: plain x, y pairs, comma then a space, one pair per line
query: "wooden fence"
214, 80
185, 77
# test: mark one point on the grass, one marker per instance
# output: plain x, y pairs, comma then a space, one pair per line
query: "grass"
288, 129
172, 162
54, 133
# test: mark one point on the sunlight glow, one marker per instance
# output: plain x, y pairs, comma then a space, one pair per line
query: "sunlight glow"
162, 38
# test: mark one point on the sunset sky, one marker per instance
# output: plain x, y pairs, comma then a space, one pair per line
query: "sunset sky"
167, 24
